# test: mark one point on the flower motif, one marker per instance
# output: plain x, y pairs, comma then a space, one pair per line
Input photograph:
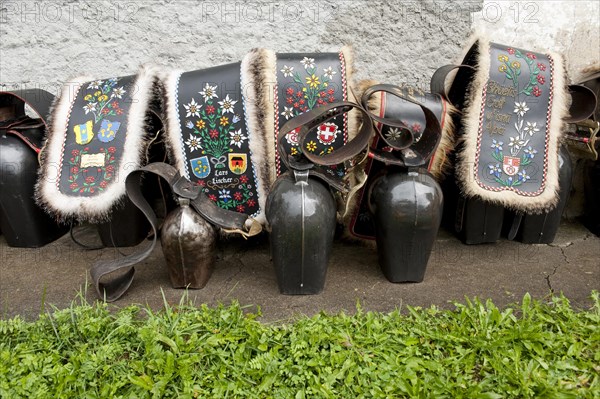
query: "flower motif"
189, 124
74, 186
502, 68
495, 169
329, 72
209, 92
227, 104
240, 208
521, 108
290, 91
393, 134
237, 196
112, 150
416, 127
497, 145
503, 58
516, 64
224, 121
510, 50
516, 143
531, 128
523, 176
541, 66
236, 119
311, 146
194, 143
225, 195
237, 138
537, 91
200, 124
288, 112
541, 79
103, 184
90, 179
90, 107
308, 62
287, 71
313, 81
244, 179
75, 153
118, 93
213, 133
530, 152
212, 197
210, 109
192, 109
103, 98
531, 56
251, 202
95, 84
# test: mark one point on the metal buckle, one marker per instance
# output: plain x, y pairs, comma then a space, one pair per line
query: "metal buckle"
584, 138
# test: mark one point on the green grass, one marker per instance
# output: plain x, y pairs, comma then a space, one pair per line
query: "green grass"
534, 349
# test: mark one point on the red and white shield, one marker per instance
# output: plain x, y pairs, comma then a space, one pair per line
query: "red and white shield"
292, 137
510, 165
327, 133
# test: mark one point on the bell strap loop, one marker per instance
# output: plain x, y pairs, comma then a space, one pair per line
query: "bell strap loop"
112, 288
406, 149
314, 118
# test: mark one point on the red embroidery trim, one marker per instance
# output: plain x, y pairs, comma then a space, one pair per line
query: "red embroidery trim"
64, 143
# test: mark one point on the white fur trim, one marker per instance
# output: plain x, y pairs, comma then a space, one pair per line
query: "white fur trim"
173, 136
98, 207
257, 93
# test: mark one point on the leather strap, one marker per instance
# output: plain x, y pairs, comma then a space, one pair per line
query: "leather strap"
421, 149
314, 118
583, 103
40, 101
112, 288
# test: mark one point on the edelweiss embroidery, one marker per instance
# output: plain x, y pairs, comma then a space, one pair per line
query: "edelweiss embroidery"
217, 147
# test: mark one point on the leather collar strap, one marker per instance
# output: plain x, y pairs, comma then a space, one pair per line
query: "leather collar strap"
40, 101
407, 149
314, 118
112, 288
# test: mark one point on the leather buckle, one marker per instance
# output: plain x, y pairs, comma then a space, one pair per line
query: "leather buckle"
185, 188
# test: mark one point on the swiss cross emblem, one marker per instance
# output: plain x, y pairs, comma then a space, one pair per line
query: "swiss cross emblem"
510, 165
327, 133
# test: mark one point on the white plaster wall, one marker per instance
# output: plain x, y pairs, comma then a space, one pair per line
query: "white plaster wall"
569, 27
47, 42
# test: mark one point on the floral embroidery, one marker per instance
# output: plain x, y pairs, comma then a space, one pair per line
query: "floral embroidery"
194, 143
227, 104
237, 138
192, 109
287, 72
512, 71
95, 178
213, 132
101, 103
209, 92
514, 164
